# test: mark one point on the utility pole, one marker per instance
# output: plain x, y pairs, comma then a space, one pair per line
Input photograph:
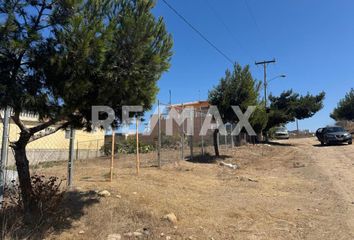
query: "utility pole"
265, 64
5, 138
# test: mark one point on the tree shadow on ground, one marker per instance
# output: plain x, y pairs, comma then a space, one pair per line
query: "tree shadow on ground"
206, 158
71, 209
278, 144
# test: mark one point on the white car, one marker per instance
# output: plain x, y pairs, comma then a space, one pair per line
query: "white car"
281, 133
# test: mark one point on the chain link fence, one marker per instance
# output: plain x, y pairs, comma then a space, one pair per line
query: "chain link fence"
156, 149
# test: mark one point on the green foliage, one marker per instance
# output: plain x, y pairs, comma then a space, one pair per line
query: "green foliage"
259, 119
345, 108
127, 147
73, 54
170, 141
238, 88
58, 58
290, 106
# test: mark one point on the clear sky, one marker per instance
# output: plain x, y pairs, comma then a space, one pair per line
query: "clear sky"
312, 41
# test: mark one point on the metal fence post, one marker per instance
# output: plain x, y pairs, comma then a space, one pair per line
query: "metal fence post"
97, 149
191, 146
77, 150
225, 140
232, 137
4, 146
182, 137
71, 157
201, 124
88, 150
191, 128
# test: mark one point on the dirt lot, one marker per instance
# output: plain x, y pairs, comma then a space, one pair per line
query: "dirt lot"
291, 190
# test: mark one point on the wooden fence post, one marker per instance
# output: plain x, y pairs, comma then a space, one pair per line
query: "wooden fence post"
158, 135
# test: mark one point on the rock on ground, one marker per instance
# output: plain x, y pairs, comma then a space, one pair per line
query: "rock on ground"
171, 217
104, 193
114, 237
137, 234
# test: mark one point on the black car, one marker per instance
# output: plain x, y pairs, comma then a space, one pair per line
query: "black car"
330, 135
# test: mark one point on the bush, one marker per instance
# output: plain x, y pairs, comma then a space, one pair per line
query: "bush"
128, 147
46, 193
56, 209
173, 142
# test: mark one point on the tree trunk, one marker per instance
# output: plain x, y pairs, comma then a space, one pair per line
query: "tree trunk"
265, 136
22, 164
259, 137
215, 141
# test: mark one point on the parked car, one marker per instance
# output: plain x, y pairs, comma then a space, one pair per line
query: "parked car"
330, 135
281, 133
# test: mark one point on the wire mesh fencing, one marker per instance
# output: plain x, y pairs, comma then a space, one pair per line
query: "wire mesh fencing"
158, 148
89, 149
186, 140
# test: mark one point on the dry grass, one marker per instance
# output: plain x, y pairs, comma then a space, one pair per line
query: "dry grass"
267, 198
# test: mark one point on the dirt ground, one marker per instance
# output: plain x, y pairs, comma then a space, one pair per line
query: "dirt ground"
294, 189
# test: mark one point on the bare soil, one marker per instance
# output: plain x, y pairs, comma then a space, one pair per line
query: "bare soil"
294, 189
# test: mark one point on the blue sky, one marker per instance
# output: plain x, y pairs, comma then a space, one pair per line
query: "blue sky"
312, 41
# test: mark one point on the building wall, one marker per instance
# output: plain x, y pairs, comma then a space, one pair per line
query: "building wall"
55, 147
56, 140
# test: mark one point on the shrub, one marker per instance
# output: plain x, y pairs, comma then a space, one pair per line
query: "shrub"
173, 142
53, 211
46, 192
128, 147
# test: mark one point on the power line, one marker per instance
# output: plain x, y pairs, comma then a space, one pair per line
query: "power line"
219, 17
198, 32
255, 22
252, 16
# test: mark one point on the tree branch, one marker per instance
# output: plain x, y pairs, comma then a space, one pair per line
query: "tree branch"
12, 145
43, 27
43, 7
34, 29
40, 135
42, 126
19, 123
23, 15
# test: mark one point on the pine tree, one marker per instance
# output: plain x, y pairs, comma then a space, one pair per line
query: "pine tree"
60, 58
237, 88
345, 108
290, 106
